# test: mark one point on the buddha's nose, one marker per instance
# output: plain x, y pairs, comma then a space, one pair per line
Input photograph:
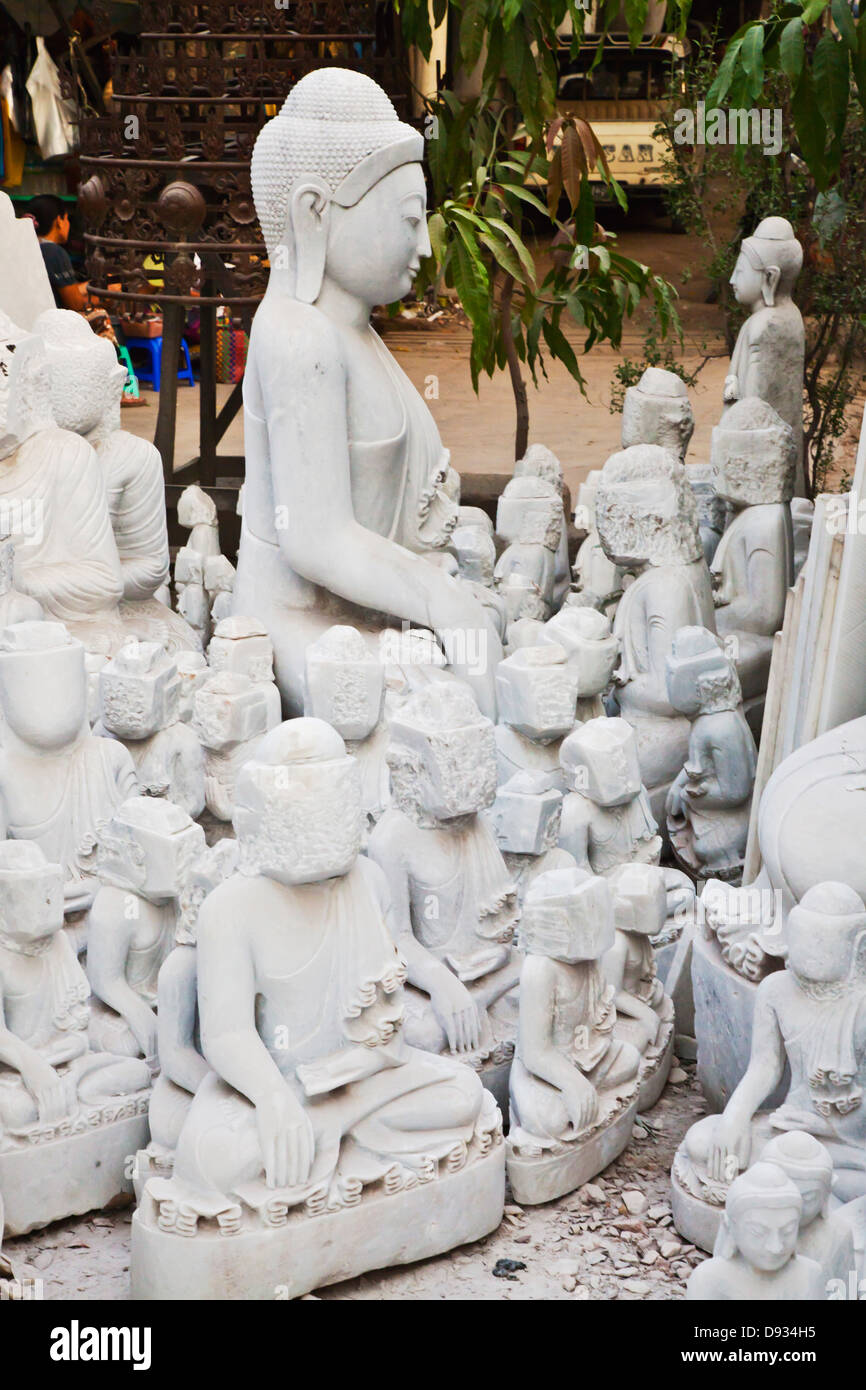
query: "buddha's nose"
424, 247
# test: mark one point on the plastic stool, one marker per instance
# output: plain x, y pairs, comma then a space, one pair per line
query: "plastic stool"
153, 347
130, 387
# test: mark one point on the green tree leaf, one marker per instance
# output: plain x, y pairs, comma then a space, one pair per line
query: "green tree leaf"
844, 21
792, 48
830, 77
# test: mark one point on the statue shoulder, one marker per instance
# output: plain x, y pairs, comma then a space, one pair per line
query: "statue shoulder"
226, 910
290, 336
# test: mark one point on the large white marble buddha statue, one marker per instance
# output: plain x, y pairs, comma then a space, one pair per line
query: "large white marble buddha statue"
345, 495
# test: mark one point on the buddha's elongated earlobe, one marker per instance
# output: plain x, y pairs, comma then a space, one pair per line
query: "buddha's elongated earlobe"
770, 281
309, 218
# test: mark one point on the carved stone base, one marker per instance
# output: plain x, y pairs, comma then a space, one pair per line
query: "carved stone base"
697, 1221
655, 1071
553, 1174
69, 1176
309, 1251
724, 1006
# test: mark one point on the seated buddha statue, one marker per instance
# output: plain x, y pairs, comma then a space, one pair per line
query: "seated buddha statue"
347, 492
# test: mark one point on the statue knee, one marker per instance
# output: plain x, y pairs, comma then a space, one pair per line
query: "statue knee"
699, 1139
462, 1097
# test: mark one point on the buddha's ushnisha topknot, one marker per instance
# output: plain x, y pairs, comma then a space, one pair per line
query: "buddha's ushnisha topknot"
331, 121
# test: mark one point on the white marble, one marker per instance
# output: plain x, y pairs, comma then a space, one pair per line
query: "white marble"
230, 713
573, 1083
709, 803
541, 462
606, 815
24, 294
645, 1014
69, 1108
596, 578
145, 855
529, 519
455, 903
344, 684
591, 649
316, 1106
756, 1256
657, 411
347, 483
753, 461
647, 520
536, 691
139, 704
769, 355
812, 1016
57, 781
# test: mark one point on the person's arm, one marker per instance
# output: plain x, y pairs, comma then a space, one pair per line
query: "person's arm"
73, 296
54, 1095
304, 397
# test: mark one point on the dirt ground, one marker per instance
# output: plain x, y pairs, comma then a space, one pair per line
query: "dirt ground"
613, 1239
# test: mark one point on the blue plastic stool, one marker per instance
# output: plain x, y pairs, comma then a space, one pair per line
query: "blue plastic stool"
153, 347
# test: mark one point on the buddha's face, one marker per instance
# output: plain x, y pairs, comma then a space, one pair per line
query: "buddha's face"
747, 282
375, 248
818, 951
766, 1237
31, 904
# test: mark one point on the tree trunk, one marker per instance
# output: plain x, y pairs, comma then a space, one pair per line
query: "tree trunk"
518, 385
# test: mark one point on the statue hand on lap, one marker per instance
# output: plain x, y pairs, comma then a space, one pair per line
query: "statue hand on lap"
55, 1096
581, 1102
457, 1012
286, 1137
730, 1146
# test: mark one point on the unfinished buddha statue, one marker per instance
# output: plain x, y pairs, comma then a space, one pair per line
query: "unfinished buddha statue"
58, 782
454, 900
315, 1106
657, 411
753, 460
647, 520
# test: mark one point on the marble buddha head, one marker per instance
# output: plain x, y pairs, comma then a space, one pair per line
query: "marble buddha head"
43, 685
700, 678
808, 1164
541, 462
589, 644
568, 915
768, 264
525, 497
536, 690
25, 386
339, 190
753, 455
645, 511
86, 377
229, 709
298, 815
139, 691
639, 898
241, 644
825, 937
475, 551
762, 1218
442, 755
600, 759
657, 411
344, 682
149, 845
526, 814
31, 894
